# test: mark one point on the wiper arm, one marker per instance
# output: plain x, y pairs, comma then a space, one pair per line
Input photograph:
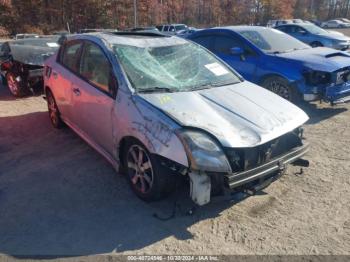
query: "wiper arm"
155, 89
224, 83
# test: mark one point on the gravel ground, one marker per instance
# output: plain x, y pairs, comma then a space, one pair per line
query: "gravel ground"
59, 198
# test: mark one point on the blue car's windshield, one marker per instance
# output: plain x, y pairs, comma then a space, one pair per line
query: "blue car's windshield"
180, 67
313, 29
272, 40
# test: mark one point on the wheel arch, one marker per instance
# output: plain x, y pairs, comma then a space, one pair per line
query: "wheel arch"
270, 75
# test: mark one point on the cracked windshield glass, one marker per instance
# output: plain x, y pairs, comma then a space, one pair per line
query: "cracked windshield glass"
183, 67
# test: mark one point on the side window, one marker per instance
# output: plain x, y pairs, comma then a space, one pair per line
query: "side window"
206, 41
284, 29
223, 44
95, 68
166, 28
299, 29
172, 29
70, 55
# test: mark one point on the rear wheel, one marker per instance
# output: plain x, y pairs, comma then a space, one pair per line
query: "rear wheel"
15, 84
281, 87
147, 178
54, 114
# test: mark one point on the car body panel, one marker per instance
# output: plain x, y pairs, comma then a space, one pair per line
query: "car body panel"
231, 113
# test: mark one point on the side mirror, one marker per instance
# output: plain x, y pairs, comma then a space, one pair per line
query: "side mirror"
237, 51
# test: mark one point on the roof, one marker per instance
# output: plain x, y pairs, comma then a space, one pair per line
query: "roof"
138, 39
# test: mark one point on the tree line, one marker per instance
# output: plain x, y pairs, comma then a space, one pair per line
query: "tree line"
46, 16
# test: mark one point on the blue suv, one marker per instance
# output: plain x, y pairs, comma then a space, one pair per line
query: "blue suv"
281, 63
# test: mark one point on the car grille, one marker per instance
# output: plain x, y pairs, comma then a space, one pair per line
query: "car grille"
242, 159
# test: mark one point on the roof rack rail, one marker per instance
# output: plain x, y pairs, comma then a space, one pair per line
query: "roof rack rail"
140, 33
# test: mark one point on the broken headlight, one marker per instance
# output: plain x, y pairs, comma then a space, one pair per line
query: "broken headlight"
343, 77
314, 78
203, 152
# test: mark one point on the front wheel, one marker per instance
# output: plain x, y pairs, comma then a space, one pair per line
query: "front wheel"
147, 178
15, 84
281, 87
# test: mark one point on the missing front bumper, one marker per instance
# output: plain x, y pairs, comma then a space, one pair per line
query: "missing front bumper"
251, 180
276, 165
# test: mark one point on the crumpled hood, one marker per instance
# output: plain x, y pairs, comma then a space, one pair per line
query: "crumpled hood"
321, 58
239, 115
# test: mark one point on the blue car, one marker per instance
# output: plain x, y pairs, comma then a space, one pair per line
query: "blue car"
281, 63
315, 36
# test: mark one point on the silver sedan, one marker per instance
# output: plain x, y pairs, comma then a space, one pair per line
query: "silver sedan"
160, 107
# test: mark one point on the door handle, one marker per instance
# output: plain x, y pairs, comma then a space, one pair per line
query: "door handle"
76, 91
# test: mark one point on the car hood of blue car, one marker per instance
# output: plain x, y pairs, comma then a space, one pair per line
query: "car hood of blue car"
320, 58
239, 115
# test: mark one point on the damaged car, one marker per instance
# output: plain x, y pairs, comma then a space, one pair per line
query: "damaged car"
281, 63
22, 62
160, 107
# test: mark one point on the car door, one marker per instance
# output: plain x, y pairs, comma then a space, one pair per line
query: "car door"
245, 64
94, 97
301, 34
64, 74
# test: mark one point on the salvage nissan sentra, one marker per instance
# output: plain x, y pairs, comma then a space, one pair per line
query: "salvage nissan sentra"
158, 107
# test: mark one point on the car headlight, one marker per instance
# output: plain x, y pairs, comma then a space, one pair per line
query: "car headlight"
317, 78
204, 153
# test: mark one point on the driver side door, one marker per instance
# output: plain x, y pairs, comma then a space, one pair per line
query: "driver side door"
300, 34
244, 64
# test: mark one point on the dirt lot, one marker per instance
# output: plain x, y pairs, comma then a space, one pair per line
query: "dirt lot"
58, 197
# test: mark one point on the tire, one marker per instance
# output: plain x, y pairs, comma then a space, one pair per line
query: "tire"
281, 87
147, 178
316, 44
16, 88
54, 113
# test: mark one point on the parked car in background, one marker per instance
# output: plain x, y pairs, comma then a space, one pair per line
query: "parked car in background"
171, 29
21, 62
23, 36
274, 23
345, 20
158, 107
316, 36
281, 63
335, 24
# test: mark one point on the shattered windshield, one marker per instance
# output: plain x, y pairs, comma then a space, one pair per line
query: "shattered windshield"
273, 41
175, 68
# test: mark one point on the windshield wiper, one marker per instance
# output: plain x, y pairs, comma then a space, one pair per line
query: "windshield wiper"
156, 89
224, 83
